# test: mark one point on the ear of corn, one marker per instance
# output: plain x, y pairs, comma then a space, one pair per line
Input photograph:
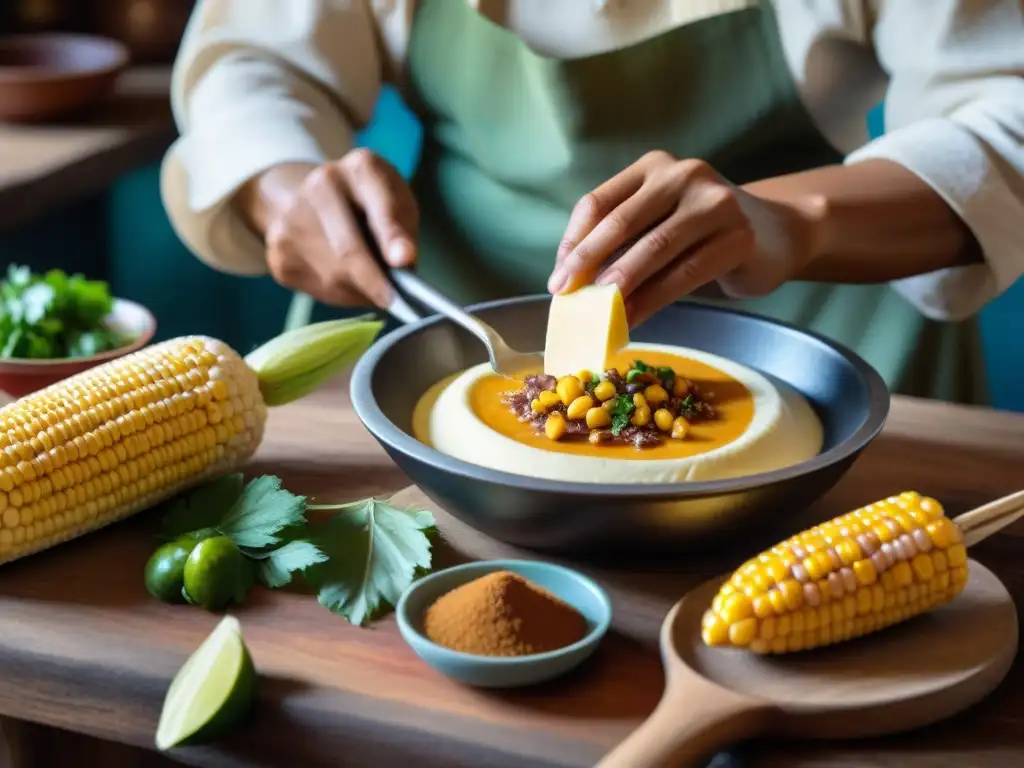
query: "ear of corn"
121, 437
111, 441
858, 573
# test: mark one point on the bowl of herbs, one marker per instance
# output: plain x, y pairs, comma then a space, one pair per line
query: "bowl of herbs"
54, 325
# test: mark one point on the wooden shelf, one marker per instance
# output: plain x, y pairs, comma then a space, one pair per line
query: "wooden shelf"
44, 166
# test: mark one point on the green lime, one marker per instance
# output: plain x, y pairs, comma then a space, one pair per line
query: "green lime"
165, 571
211, 691
201, 535
216, 573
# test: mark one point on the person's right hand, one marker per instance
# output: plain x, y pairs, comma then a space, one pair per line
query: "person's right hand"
309, 218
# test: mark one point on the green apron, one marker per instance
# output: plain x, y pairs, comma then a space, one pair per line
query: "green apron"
513, 139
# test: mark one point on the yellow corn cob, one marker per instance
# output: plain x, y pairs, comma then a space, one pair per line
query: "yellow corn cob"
123, 436
858, 573
119, 438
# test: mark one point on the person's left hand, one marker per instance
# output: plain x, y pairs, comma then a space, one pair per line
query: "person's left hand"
678, 225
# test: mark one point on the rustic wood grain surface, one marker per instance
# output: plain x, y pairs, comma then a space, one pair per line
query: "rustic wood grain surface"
83, 648
46, 165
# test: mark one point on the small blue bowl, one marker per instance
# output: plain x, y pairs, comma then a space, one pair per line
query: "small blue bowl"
579, 591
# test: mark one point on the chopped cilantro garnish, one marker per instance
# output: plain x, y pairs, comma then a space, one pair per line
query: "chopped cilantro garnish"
621, 411
640, 365
595, 381
689, 406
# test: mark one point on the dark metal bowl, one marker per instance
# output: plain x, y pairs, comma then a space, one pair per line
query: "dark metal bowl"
849, 396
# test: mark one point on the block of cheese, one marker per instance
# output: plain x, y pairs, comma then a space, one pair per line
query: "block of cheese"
585, 328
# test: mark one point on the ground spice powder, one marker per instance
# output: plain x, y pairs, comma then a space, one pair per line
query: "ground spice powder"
503, 614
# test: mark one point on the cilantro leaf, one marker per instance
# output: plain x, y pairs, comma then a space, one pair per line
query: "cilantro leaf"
262, 512
18, 277
36, 301
374, 552
278, 565
38, 347
91, 299
14, 340
622, 409
89, 343
203, 507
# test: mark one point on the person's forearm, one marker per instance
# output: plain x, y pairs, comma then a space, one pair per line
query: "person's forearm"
265, 197
871, 222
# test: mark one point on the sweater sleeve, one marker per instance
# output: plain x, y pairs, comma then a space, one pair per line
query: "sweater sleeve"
258, 83
954, 116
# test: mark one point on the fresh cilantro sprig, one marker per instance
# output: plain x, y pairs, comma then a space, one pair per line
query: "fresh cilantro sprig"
54, 315
264, 520
359, 561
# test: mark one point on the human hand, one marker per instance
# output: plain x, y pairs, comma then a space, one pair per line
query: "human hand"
664, 227
309, 217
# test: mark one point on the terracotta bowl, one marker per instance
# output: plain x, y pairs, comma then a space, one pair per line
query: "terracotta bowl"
48, 76
20, 377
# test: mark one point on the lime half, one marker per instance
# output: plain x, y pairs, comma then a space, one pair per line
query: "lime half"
211, 691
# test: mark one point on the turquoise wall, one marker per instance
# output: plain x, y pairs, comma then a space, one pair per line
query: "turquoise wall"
125, 236
1002, 328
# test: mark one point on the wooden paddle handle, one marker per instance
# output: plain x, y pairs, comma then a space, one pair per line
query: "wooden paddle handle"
978, 524
693, 721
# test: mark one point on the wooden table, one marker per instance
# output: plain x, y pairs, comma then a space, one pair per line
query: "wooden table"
82, 647
44, 166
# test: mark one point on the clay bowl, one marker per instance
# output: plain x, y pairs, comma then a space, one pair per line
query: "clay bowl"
48, 76
20, 377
